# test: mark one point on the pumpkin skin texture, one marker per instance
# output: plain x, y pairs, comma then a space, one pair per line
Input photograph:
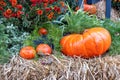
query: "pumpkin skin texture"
93, 42
42, 31
91, 9
85, 1
27, 52
43, 49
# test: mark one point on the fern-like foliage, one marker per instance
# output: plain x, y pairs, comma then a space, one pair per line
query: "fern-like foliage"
77, 22
15, 38
4, 56
55, 33
114, 29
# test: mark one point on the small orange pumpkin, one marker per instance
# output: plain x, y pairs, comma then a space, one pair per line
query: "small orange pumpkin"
27, 52
85, 1
90, 8
93, 42
42, 31
43, 49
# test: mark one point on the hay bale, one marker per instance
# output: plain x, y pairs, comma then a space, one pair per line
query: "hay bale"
52, 68
115, 15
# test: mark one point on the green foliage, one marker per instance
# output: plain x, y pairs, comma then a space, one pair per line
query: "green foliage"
115, 47
15, 38
11, 40
72, 3
55, 32
79, 21
33, 36
53, 37
4, 56
114, 29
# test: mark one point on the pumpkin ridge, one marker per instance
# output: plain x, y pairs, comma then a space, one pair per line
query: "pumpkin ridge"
70, 47
85, 47
101, 35
67, 45
92, 38
105, 35
29, 55
24, 55
95, 36
106, 46
74, 48
80, 43
75, 44
63, 43
103, 43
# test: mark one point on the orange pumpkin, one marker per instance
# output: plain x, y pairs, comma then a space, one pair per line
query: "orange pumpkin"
90, 8
85, 1
42, 31
43, 49
93, 42
27, 52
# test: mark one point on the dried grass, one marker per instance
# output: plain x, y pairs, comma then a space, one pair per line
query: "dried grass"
115, 15
52, 68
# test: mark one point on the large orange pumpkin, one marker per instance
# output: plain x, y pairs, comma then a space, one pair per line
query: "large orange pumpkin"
93, 42
44, 49
27, 52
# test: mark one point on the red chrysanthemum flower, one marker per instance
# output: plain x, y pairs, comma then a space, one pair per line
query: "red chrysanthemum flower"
39, 12
57, 9
45, 4
51, 1
8, 11
13, 15
33, 5
18, 14
33, 1
2, 3
45, 1
1, 9
13, 2
19, 7
48, 9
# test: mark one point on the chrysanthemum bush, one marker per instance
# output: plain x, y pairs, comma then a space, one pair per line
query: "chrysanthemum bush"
25, 13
